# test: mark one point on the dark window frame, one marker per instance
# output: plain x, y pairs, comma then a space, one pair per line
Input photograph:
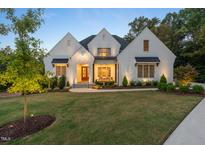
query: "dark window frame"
100, 52
146, 45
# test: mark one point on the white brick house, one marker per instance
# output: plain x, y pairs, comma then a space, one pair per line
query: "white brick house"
106, 57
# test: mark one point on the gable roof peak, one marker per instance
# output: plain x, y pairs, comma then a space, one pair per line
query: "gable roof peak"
104, 30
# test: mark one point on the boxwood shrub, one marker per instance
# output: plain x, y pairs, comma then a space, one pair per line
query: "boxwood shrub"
61, 82
154, 83
139, 83
170, 87
132, 83
162, 86
54, 82
198, 89
184, 88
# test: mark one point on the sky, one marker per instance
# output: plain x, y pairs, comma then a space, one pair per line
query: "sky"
83, 22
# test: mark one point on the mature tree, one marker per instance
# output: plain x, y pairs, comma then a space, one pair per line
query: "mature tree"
172, 33
5, 28
25, 70
193, 44
139, 24
5, 58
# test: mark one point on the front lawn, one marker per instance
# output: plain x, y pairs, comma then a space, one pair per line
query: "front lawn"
102, 118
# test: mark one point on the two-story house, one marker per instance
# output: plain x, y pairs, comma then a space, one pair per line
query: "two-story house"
107, 57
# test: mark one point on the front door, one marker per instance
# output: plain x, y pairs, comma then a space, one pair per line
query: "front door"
84, 73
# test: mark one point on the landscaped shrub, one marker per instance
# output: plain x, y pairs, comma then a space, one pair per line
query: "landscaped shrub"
44, 83
185, 74
139, 83
98, 83
125, 82
162, 86
132, 83
148, 83
68, 84
184, 88
109, 83
163, 79
104, 84
154, 83
2, 88
198, 89
61, 82
54, 82
170, 87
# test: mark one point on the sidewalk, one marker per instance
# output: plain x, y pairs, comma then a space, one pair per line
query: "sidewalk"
192, 129
90, 90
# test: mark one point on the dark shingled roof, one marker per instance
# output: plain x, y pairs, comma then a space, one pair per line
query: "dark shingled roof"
105, 58
122, 42
60, 60
85, 42
147, 59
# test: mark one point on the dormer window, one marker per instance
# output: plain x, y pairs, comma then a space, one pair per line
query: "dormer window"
104, 52
146, 45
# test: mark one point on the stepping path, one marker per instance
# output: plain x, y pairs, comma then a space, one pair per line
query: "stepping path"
90, 90
191, 131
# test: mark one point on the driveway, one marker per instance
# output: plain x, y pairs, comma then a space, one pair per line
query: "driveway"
192, 129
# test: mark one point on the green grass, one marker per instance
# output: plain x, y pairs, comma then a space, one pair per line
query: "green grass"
102, 118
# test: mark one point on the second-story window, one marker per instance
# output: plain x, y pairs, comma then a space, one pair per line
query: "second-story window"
146, 45
104, 52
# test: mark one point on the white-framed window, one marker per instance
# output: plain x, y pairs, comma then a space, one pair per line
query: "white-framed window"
145, 70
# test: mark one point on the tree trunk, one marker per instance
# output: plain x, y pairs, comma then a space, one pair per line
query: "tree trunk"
25, 108
49, 84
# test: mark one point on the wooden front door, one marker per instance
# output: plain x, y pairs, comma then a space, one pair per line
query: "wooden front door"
84, 73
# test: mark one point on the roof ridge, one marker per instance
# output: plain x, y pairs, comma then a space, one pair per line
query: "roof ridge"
123, 43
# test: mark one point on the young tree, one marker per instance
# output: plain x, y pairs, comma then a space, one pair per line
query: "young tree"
185, 74
48, 76
25, 70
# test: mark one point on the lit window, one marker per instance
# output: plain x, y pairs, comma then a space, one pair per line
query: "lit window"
146, 45
139, 71
60, 70
105, 52
104, 73
145, 71
151, 71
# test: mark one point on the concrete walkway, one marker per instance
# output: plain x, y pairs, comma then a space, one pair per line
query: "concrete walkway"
90, 90
192, 129
195, 83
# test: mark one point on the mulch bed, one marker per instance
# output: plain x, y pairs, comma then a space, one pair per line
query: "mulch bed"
18, 128
128, 87
6, 94
190, 93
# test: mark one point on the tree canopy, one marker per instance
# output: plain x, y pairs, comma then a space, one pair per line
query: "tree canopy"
25, 71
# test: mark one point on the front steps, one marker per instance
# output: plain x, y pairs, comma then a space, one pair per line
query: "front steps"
82, 85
